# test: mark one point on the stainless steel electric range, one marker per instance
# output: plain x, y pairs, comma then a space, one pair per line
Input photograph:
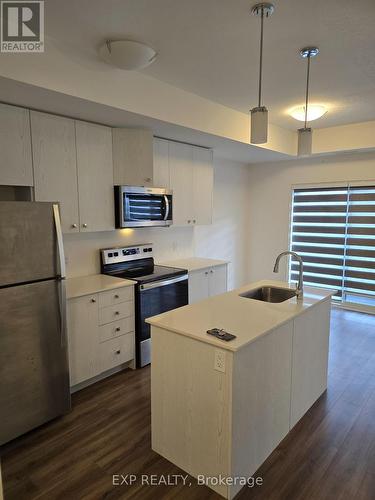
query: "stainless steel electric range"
158, 288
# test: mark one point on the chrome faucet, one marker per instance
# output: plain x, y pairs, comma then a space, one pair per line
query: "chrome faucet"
299, 288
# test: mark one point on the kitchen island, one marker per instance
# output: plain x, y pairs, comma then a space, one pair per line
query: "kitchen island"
220, 408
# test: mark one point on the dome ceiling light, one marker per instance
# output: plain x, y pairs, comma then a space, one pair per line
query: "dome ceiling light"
314, 112
259, 114
305, 133
127, 54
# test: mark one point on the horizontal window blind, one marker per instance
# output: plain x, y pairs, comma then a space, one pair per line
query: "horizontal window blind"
333, 229
359, 272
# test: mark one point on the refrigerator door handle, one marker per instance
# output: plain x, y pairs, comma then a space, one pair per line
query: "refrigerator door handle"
59, 237
62, 304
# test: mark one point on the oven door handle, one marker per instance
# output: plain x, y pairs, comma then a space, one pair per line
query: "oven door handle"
157, 284
166, 207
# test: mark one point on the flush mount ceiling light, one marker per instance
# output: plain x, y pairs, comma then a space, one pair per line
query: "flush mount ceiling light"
259, 115
305, 133
127, 54
314, 112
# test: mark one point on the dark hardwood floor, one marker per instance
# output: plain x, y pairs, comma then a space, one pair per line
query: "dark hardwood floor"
330, 454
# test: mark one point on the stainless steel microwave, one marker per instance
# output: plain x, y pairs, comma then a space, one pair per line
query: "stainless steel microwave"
143, 206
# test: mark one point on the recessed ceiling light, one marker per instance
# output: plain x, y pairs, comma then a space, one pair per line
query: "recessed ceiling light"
127, 54
314, 111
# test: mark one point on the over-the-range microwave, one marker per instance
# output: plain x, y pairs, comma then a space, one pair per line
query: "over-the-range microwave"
137, 206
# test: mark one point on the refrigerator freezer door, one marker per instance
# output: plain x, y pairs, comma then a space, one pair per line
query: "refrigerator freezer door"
28, 250
34, 374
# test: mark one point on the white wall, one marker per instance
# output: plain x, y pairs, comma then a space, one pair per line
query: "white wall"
225, 239
270, 197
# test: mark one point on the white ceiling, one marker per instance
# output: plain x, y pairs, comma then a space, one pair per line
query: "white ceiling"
210, 48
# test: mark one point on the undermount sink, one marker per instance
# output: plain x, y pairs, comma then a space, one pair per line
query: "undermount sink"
269, 294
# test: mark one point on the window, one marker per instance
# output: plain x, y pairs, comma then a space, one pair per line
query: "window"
333, 229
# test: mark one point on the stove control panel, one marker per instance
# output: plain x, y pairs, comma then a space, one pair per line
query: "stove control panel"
125, 254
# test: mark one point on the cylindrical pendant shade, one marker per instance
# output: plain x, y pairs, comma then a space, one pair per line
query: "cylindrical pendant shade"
259, 125
304, 141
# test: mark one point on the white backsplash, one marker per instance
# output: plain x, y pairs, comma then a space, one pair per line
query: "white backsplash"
82, 250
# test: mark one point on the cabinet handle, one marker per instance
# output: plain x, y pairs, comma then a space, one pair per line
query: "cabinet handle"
206, 272
189, 221
84, 225
148, 179
117, 313
116, 296
118, 329
74, 226
93, 300
194, 221
118, 351
211, 271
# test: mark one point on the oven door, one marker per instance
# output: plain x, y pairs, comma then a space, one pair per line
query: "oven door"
155, 298
139, 207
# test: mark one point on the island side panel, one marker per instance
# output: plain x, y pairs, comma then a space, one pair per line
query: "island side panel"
261, 400
310, 358
190, 405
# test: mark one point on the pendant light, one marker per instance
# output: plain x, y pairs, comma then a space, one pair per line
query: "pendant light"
305, 133
259, 115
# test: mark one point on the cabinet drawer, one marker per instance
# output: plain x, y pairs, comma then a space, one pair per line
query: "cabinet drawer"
116, 351
116, 296
114, 313
116, 329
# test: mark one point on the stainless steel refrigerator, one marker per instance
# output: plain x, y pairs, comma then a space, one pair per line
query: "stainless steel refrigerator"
34, 373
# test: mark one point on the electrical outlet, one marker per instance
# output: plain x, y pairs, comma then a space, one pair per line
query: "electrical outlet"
219, 360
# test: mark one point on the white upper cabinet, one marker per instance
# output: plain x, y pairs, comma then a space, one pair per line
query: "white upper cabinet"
191, 179
203, 176
55, 167
132, 157
95, 177
181, 181
15, 145
161, 163
73, 165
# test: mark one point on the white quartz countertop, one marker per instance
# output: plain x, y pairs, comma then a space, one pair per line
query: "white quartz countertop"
193, 263
86, 285
248, 319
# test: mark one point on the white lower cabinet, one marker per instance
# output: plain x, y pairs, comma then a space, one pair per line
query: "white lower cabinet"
116, 351
83, 317
204, 283
101, 336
